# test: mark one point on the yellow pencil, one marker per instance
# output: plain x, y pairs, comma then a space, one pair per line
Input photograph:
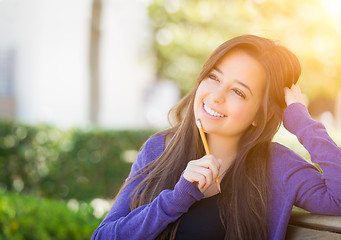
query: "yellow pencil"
207, 150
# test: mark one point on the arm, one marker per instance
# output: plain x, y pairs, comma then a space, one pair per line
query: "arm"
147, 221
315, 192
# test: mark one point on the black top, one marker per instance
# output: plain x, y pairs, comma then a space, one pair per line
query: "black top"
202, 221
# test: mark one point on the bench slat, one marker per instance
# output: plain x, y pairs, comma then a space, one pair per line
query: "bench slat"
316, 221
301, 233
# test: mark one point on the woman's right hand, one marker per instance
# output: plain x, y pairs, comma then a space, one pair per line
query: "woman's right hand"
293, 95
202, 172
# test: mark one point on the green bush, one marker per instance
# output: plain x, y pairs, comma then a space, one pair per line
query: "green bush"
24, 217
79, 163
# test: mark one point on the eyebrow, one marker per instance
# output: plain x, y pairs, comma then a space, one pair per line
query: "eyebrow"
236, 80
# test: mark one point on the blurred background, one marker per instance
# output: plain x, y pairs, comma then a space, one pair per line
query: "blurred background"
83, 83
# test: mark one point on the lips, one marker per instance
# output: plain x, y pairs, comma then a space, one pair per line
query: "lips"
211, 112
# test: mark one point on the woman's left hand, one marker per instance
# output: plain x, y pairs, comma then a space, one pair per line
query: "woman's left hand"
293, 95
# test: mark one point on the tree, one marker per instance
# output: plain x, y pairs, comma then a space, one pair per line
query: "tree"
187, 31
95, 35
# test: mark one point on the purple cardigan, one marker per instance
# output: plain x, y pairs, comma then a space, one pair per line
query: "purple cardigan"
294, 182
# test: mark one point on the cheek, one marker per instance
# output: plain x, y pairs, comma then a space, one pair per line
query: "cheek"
200, 94
242, 113
197, 101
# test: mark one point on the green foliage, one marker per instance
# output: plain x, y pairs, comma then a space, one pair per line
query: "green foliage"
80, 164
187, 31
31, 218
298, 210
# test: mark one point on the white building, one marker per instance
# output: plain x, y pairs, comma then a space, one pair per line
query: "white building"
44, 64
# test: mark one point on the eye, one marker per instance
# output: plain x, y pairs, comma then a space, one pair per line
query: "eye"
239, 93
213, 77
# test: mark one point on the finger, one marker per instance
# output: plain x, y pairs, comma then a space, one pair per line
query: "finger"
201, 177
298, 89
194, 173
212, 163
211, 172
198, 180
207, 161
217, 161
296, 92
289, 94
206, 172
207, 165
286, 89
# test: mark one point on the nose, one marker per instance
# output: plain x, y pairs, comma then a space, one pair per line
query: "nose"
218, 95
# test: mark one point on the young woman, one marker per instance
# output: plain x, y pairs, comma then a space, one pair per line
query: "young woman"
245, 89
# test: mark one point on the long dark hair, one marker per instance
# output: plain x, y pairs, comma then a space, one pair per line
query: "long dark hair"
243, 203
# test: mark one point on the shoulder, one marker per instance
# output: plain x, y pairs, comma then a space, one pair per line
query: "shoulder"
154, 146
278, 149
284, 160
169, 136
150, 151
285, 163
282, 155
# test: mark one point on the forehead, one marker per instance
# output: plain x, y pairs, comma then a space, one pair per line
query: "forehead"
239, 65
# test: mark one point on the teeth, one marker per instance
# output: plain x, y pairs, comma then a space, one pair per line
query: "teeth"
212, 112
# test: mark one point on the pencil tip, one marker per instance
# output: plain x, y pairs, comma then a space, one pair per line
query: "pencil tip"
218, 184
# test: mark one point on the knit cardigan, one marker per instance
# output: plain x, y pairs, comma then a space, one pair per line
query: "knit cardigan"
294, 181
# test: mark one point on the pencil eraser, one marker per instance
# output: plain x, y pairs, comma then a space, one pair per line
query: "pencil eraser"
198, 123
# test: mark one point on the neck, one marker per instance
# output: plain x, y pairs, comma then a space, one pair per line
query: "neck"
223, 148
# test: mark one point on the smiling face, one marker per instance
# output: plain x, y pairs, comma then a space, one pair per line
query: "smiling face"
228, 99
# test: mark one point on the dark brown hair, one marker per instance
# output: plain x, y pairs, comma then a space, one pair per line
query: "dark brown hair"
243, 203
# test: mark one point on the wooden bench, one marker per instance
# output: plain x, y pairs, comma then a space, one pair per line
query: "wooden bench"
305, 225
